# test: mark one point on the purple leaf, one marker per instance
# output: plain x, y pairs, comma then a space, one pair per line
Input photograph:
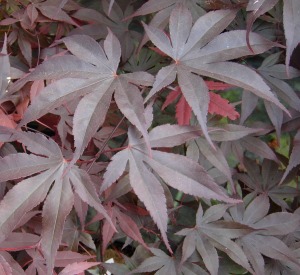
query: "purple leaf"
180, 26
55, 13
172, 135
24, 165
22, 198
196, 94
112, 49
230, 132
239, 75
153, 6
57, 68
294, 158
56, 208
274, 248
249, 102
130, 102
39, 144
164, 77
227, 46
276, 117
291, 24
55, 95
207, 27
256, 210
209, 255
87, 49
19, 241
257, 8
25, 48
258, 147
63, 258
86, 191
130, 228
4, 68
278, 224
115, 169
187, 176
90, 115
215, 157
189, 245
76, 268
149, 191
160, 40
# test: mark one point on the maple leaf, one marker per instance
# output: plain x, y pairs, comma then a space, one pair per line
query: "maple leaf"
209, 234
294, 158
256, 9
45, 159
265, 180
264, 240
221, 106
200, 49
126, 224
167, 265
92, 73
216, 105
113, 18
177, 171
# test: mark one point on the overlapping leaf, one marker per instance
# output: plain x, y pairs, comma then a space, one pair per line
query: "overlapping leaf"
31, 191
95, 75
116, 23
210, 234
267, 181
201, 50
217, 104
263, 240
177, 171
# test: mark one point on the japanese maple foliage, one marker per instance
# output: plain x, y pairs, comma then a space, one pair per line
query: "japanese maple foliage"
163, 134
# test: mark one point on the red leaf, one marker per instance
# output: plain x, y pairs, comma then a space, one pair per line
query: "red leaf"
221, 107
183, 112
217, 86
171, 97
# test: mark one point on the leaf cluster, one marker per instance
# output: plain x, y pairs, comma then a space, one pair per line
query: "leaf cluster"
162, 134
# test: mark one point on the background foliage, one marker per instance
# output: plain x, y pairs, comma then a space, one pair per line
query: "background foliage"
163, 134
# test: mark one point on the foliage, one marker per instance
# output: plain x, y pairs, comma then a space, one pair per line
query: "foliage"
163, 132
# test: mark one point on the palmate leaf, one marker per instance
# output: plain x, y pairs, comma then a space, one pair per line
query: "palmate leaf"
94, 77
165, 264
265, 180
263, 240
113, 18
28, 193
211, 234
204, 51
176, 170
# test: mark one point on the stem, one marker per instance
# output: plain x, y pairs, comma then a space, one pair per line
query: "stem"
105, 143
